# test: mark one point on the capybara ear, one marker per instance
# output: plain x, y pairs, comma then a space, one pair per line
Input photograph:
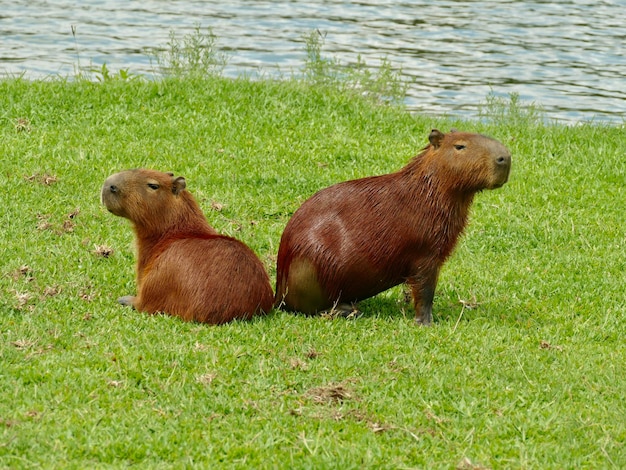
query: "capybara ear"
178, 185
169, 173
453, 130
435, 137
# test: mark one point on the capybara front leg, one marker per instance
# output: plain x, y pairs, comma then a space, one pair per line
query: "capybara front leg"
423, 291
127, 300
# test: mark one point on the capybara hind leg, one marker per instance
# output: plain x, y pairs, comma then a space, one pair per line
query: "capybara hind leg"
423, 291
304, 293
127, 301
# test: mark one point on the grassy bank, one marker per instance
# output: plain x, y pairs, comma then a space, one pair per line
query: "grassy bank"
524, 366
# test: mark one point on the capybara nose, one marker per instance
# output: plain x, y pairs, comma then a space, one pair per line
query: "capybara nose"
503, 160
113, 188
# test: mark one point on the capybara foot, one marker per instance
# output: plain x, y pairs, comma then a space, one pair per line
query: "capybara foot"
127, 300
423, 320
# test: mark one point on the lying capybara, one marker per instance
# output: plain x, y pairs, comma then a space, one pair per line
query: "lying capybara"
184, 267
355, 239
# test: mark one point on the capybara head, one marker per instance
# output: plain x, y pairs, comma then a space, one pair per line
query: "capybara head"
144, 196
467, 162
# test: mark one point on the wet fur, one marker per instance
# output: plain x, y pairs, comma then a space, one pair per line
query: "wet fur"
184, 267
355, 239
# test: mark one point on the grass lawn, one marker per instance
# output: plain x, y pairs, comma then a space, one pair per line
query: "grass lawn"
524, 367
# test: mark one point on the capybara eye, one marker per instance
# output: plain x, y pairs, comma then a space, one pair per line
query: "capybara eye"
153, 186
459, 146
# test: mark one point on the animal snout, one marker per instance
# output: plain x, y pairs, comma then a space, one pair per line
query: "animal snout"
501, 170
110, 192
503, 160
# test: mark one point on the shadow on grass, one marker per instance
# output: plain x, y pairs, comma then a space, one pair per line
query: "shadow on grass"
396, 306
445, 309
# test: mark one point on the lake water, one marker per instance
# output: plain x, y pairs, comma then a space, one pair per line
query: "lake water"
567, 56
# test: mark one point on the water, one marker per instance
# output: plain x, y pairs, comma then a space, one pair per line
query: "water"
566, 56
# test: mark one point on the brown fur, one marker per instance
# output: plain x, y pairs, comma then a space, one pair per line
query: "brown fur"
184, 267
355, 239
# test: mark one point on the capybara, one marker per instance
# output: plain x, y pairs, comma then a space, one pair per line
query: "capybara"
184, 267
355, 239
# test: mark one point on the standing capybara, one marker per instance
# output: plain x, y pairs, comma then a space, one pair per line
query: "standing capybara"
355, 239
184, 267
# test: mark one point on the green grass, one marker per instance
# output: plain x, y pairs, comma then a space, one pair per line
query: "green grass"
532, 377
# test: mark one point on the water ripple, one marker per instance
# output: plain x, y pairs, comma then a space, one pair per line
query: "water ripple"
566, 56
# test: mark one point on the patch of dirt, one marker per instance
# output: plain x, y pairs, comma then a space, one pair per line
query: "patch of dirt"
23, 271
22, 124
207, 378
335, 393
43, 223
23, 344
297, 363
52, 291
546, 345
103, 250
87, 294
312, 354
467, 464
67, 225
46, 179
217, 206
22, 299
